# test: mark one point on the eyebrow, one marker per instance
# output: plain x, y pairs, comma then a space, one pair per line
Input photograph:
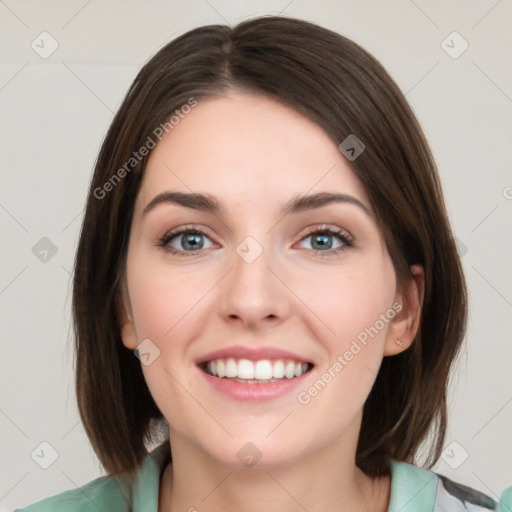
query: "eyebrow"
209, 203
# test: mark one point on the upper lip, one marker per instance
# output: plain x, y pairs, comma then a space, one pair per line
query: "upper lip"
251, 353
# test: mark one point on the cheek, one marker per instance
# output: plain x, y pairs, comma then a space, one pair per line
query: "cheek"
357, 306
157, 308
163, 310
162, 300
352, 301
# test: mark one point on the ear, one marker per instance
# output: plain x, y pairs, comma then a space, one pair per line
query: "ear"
404, 326
125, 318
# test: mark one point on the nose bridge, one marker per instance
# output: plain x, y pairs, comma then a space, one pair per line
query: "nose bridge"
252, 291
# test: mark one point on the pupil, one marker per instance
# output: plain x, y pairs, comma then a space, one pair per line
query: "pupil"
195, 243
323, 242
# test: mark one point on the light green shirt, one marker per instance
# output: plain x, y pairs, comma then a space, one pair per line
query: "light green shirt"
413, 489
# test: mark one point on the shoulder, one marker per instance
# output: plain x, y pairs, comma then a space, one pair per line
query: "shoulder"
104, 493
453, 496
121, 493
415, 489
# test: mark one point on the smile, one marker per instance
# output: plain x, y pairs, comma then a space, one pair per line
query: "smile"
254, 372
244, 380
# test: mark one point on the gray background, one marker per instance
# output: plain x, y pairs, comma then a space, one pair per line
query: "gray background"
55, 113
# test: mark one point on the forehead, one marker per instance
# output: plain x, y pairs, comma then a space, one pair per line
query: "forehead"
246, 147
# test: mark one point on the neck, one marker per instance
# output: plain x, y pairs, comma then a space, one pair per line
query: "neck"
325, 480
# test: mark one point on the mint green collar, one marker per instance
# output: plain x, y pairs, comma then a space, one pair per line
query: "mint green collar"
413, 489
146, 487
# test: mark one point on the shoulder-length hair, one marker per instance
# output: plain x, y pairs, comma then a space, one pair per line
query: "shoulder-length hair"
345, 90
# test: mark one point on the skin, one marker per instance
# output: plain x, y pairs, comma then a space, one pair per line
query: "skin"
254, 154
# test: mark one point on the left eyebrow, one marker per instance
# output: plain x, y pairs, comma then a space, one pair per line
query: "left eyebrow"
310, 202
299, 203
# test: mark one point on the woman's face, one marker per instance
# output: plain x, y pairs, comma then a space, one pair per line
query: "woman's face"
255, 278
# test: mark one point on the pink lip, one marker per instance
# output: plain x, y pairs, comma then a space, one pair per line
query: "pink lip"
254, 392
253, 354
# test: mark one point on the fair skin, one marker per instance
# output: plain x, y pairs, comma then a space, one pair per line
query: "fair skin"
253, 155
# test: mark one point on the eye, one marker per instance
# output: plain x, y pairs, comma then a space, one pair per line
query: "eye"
190, 239
322, 240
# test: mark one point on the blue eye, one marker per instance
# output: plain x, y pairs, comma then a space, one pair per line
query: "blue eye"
191, 241
322, 238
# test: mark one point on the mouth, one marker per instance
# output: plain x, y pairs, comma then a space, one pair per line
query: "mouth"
263, 371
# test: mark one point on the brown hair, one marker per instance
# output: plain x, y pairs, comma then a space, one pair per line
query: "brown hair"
337, 84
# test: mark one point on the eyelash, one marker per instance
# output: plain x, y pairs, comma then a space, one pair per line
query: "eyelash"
343, 236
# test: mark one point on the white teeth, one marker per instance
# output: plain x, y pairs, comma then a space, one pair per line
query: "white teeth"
300, 368
278, 370
231, 368
221, 370
263, 370
289, 370
245, 369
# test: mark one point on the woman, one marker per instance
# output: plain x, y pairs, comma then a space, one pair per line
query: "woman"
266, 275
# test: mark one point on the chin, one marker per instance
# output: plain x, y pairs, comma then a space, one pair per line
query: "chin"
257, 451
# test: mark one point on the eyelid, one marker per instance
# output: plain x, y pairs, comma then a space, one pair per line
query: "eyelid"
182, 231
328, 227
342, 234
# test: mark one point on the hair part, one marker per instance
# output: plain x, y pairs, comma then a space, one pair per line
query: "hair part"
345, 90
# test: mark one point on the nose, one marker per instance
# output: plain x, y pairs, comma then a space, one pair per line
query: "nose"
253, 294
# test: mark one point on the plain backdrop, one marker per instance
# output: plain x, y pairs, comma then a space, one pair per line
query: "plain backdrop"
56, 110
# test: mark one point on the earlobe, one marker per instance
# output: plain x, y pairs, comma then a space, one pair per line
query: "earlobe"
129, 336
404, 326
125, 321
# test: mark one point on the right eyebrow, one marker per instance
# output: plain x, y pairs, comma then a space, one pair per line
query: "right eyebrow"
196, 201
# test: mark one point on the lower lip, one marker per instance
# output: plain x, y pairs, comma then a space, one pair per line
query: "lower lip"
254, 392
